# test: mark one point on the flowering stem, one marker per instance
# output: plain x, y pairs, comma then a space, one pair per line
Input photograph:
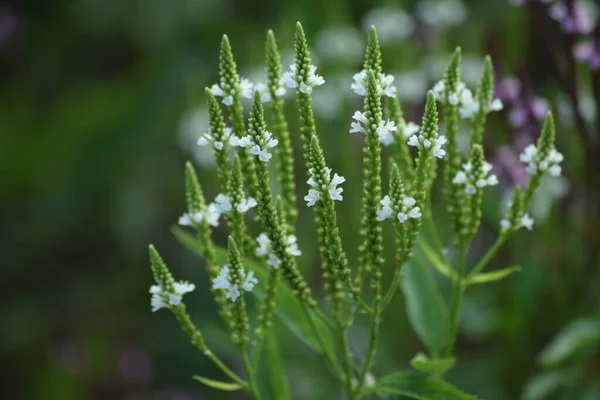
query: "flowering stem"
489, 255
249, 373
198, 341
326, 350
457, 296
374, 333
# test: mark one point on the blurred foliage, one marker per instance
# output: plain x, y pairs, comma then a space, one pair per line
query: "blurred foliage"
93, 141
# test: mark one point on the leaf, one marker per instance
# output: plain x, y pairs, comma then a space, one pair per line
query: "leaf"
287, 307
437, 366
425, 307
230, 387
271, 372
543, 385
435, 260
419, 387
578, 336
492, 276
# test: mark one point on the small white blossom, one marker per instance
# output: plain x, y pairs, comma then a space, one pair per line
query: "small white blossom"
232, 292
273, 261
245, 87
165, 299
292, 80
222, 280
384, 131
185, 220
249, 282
525, 221
292, 246
386, 210
409, 129
246, 204
223, 203
209, 139
385, 84
330, 187
408, 210
472, 179
261, 148
263, 244
436, 146
551, 163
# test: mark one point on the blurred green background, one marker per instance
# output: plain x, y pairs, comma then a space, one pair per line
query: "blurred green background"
101, 103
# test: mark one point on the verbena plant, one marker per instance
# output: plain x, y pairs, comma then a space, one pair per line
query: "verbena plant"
265, 266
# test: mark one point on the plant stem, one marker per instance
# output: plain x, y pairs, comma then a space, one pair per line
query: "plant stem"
489, 255
374, 333
347, 363
457, 296
249, 374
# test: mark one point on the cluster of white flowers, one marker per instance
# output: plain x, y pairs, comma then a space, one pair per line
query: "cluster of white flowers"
208, 138
227, 92
525, 221
333, 191
437, 144
463, 98
211, 215
551, 163
265, 95
293, 80
409, 210
264, 248
385, 84
164, 299
473, 180
260, 149
221, 205
384, 129
222, 281
409, 129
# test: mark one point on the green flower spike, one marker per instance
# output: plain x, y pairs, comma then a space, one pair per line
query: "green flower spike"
239, 205
231, 89
402, 154
236, 277
484, 95
452, 161
335, 269
285, 156
218, 138
373, 53
471, 215
270, 223
397, 199
371, 249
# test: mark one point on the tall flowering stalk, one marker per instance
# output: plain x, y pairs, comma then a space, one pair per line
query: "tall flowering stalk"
262, 258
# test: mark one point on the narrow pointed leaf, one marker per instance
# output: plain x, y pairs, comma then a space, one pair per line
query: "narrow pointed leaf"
543, 385
419, 387
493, 276
227, 386
271, 372
425, 306
435, 260
577, 337
438, 366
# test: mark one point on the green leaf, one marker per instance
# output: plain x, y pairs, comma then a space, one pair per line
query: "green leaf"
230, 387
492, 276
425, 307
273, 384
543, 385
287, 307
419, 387
579, 336
437, 366
435, 261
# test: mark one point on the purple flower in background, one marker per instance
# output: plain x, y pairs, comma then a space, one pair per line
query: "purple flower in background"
508, 89
135, 365
508, 167
589, 53
571, 17
523, 2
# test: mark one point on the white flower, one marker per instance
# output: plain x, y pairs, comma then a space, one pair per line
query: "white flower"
263, 244
208, 138
249, 282
223, 203
273, 261
436, 146
292, 80
330, 187
212, 215
408, 210
260, 148
312, 197
527, 221
247, 88
165, 299
185, 220
222, 280
292, 246
385, 84
472, 179
246, 204
265, 96
551, 163
386, 210
496, 105
384, 131
409, 129
232, 293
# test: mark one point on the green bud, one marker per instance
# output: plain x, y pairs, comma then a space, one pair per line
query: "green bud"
373, 53
402, 154
238, 309
484, 95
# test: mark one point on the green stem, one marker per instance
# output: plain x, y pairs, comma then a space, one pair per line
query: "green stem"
374, 333
489, 255
457, 296
389, 295
249, 374
347, 363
